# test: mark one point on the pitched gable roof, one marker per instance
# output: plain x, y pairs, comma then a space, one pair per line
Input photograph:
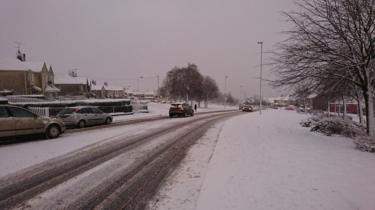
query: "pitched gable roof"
17, 65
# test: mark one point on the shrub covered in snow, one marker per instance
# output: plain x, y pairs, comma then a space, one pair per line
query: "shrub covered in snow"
330, 125
309, 122
333, 125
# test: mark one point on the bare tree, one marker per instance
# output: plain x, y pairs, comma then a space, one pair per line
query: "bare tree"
332, 41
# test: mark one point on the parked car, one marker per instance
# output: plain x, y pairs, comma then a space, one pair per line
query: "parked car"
17, 121
181, 110
83, 116
247, 108
290, 107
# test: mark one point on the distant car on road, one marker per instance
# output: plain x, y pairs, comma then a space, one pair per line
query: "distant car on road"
17, 121
247, 108
83, 116
181, 110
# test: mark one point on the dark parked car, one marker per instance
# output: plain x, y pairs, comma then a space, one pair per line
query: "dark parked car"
83, 116
181, 110
17, 121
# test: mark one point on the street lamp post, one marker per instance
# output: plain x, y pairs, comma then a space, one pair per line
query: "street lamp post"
157, 77
141, 77
225, 92
243, 91
260, 77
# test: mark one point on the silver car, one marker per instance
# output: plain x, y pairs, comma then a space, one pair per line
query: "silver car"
17, 121
83, 116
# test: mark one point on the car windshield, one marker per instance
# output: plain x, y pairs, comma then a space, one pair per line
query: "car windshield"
67, 111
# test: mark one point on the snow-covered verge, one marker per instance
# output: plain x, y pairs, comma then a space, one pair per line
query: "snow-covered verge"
269, 161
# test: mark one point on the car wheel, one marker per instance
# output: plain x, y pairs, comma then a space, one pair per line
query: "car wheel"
53, 131
170, 115
108, 120
81, 124
192, 113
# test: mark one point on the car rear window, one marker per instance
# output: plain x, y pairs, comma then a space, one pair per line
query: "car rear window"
67, 111
176, 106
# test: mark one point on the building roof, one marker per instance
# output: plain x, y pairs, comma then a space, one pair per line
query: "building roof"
16, 65
52, 89
281, 98
112, 87
100, 85
96, 87
66, 79
141, 93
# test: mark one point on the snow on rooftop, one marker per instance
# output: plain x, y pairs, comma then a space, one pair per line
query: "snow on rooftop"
65, 79
96, 87
281, 98
100, 85
112, 87
15, 64
141, 92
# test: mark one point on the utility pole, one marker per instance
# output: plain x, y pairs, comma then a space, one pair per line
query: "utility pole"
260, 77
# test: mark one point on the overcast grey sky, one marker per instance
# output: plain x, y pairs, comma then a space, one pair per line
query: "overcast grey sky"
118, 41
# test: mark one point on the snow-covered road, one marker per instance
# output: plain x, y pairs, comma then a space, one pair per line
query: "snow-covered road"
270, 162
121, 171
14, 157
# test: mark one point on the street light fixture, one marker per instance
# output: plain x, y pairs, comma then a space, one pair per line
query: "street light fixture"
260, 77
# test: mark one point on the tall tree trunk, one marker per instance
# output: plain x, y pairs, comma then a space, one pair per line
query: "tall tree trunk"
360, 112
206, 102
369, 103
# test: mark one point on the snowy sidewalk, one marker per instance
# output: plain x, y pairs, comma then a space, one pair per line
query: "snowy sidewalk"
271, 162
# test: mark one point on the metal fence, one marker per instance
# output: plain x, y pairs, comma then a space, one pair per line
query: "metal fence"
41, 111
